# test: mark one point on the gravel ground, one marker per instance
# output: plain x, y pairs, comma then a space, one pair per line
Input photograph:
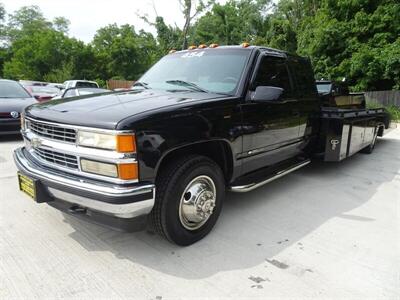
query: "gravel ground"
329, 230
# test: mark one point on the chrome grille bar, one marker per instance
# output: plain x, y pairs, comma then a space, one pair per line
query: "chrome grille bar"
53, 132
57, 158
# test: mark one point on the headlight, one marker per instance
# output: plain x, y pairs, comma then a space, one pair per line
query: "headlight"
120, 143
97, 140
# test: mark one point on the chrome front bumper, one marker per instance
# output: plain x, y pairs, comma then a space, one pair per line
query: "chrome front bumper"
116, 200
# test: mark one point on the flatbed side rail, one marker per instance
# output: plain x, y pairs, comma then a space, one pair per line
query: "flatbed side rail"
350, 113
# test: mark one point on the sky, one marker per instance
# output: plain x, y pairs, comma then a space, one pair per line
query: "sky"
86, 16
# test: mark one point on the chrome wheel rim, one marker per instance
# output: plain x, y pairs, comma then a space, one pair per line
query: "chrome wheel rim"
197, 203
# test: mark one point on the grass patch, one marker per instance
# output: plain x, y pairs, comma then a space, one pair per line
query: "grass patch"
393, 110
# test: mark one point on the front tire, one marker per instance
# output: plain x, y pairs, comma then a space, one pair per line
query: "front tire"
189, 197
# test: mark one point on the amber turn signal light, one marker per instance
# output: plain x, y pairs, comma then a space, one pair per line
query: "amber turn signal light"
128, 171
126, 143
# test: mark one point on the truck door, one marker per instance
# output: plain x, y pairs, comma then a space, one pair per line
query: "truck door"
271, 128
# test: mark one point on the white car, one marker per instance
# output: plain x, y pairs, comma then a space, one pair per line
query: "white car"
74, 92
80, 84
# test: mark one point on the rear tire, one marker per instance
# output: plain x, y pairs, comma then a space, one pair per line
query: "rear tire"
369, 149
189, 197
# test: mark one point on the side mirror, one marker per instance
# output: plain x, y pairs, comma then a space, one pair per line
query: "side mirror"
267, 93
37, 97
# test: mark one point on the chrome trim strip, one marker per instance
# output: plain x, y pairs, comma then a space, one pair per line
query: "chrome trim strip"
129, 210
269, 148
252, 186
29, 168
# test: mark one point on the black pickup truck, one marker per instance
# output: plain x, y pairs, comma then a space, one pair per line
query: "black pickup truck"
198, 123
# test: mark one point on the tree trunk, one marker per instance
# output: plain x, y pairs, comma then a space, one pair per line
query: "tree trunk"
186, 11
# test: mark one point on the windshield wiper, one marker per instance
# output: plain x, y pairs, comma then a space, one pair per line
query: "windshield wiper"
188, 84
142, 84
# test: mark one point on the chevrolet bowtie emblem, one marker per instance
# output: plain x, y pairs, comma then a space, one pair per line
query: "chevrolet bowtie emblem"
36, 143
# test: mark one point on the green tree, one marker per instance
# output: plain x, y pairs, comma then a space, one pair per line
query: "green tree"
41, 53
61, 24
26, 21
3, 49
356, 40
168, 37
232, 23
122, 52
191, 9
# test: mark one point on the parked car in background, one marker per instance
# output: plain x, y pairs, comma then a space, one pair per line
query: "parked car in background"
43, 93
13, 99
80, 84
74, 92
59, 86
26, 83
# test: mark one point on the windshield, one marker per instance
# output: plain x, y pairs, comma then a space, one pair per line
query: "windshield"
88, 84
213, 70
11, 89
324, 87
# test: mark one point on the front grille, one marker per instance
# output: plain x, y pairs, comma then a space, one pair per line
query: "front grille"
61, 159
53, 132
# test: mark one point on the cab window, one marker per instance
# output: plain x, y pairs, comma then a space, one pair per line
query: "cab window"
273, 72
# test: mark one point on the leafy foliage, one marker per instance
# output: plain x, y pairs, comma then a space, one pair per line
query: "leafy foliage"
122, 52
354, 39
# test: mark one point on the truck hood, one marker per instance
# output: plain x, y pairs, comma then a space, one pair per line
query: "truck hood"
106, 110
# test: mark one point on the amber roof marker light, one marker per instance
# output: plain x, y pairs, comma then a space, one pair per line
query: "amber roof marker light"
213, 46
171, 51
192, 47
202, 46
245, 45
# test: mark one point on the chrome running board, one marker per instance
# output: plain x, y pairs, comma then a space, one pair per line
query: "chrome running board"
254, 185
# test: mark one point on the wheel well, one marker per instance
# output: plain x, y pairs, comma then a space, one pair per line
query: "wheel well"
218, 151
381, 129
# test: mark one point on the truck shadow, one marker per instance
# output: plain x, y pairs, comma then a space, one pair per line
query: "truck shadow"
255, 227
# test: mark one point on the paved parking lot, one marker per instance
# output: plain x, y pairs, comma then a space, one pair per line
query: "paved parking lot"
327, 230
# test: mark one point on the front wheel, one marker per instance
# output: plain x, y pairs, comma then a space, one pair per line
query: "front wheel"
189, 197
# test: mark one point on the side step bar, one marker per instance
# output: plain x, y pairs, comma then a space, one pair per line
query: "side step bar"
254, 185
